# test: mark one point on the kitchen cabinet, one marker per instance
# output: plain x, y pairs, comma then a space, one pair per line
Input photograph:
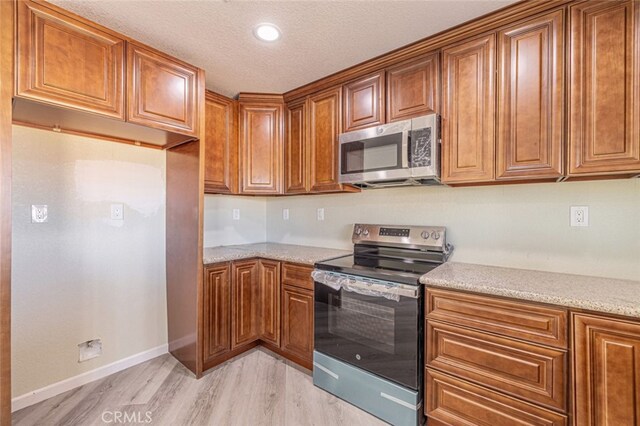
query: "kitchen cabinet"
69, 62
296, 179
261, 146
604, 88
269, 299
364, 104
325, 118
531, 99
606, 371
297, 322
217, 311
412, 88
245, 322
468, 111
161, 91
221, 145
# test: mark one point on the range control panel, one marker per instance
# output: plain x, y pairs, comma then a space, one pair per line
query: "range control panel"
430, 237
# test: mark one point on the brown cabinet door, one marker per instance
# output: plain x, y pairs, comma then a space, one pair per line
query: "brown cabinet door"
68, 62
244, 296
412, 88
297, 322
531, 98
325, 116
260, 147
221, 145
604, 84
364, 102
270, 301
606, 371
217, 312
468, 111
162, 91
296, 150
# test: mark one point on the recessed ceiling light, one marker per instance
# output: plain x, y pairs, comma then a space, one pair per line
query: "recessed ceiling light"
266, 32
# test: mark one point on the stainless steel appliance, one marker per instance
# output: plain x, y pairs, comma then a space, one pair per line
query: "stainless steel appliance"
368, 320
401, 153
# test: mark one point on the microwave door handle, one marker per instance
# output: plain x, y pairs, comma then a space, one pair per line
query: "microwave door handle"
405, 149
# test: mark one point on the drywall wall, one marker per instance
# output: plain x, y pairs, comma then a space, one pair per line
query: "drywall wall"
221, 229
524, 226
81, 275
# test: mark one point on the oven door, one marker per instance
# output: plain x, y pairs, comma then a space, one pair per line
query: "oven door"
376, 154
378, 334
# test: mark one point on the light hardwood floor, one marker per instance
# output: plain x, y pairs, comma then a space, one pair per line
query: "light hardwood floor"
257, 388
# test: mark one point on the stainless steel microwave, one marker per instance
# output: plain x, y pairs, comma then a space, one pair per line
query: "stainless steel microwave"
401, 153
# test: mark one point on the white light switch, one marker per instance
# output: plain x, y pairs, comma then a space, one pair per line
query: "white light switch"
117, 211
285, 214
236, 214
39, 213
579, 216
320, 214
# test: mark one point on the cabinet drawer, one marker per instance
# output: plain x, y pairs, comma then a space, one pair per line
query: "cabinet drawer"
532, 372
297, 275
455, 402
526, 321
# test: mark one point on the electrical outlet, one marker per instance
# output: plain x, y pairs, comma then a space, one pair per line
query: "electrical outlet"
39, 213
89, 349
117, 211
285, 214
320, 214
236, 214
579, 216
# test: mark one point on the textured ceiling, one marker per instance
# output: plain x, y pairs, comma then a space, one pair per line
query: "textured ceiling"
319, 37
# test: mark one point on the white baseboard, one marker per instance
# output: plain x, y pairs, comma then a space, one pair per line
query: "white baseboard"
54, 389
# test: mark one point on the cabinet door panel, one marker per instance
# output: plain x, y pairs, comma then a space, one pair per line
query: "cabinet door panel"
297, 322
162, 91
270, 301
245, 295
296, 150
606, 371
412, 88
468, 114
325, 116
364, 102
217, 312
604, 129
531, 98
221, 145
261, 148
68, 63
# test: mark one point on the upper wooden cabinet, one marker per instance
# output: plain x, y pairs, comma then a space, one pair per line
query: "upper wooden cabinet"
296, 177
606, 371
68, 62
531, 98
364, 102
261, 154
221, 145
245, 321
604, 87
468, 111
162, 92
217, 312
325, 118
412, 88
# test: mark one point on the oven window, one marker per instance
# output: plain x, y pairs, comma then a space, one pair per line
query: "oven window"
365, 323
381, 153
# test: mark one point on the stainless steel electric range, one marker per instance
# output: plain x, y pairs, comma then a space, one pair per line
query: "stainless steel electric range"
368, 320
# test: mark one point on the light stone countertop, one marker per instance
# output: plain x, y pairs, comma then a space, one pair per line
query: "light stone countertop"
284, 252
605, 295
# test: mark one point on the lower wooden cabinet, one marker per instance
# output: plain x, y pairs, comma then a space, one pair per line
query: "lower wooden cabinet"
269, 297
217, 311
606, 371
245, 295
297, 322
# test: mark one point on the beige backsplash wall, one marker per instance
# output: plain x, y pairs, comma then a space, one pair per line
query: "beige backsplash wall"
221, 229
82, 276
523, 226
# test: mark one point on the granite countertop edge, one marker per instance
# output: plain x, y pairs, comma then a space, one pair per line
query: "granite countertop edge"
306, 255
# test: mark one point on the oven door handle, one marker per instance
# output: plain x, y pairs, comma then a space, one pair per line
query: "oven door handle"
388, 290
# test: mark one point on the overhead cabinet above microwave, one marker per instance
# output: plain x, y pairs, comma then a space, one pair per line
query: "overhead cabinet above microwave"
71, 76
